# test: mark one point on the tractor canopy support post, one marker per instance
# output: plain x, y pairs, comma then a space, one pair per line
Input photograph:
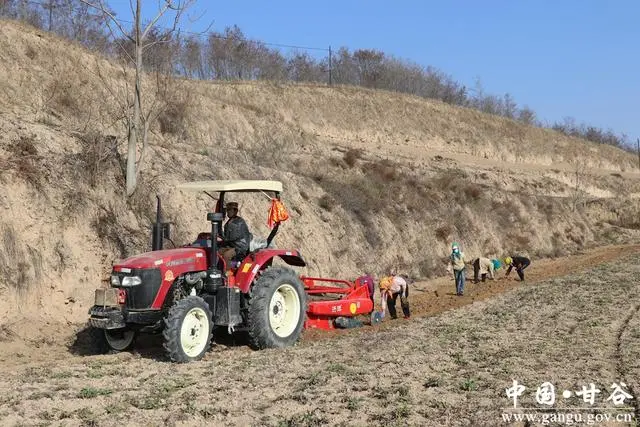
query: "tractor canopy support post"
215, 226
274, 231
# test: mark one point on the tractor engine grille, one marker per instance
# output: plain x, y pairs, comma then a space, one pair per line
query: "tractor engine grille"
142, 295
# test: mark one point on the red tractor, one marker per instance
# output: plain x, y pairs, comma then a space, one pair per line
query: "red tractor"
186, 292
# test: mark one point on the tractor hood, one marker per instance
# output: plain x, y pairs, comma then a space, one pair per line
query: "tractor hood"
195, 258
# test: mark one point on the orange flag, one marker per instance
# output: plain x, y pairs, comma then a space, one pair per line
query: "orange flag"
277, 213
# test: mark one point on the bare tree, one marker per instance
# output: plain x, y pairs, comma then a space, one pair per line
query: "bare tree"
509, 106
303, 68
527, 116
140, 115
370, 66
191, 58
577, 194
345, 69
272, 65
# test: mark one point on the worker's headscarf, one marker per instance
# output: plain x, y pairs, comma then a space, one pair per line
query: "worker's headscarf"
385, 283
455, 250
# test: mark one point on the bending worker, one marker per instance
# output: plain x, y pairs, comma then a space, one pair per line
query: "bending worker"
519, 263
390, 288
482, 267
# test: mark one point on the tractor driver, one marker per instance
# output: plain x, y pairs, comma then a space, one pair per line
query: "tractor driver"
236, 237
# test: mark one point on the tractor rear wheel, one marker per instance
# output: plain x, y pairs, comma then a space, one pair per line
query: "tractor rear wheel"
277, 309
188, 330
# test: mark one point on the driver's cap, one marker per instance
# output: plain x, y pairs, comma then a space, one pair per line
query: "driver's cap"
232, 205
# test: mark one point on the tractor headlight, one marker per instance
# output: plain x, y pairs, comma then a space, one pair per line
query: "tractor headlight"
131, 281
115, 280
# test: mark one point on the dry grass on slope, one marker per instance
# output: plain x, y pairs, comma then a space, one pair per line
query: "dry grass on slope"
58, 80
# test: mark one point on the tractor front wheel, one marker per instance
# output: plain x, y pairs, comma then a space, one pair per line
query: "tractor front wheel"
188, 330
103, 341
277, 309
119, 339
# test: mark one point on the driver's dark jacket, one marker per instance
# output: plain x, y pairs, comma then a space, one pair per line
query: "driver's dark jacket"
236, 235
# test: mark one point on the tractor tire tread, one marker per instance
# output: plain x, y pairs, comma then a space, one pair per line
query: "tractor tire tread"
260, 334
173, 324
98, 342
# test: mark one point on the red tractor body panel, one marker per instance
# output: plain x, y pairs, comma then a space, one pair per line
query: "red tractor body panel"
192, 256
171, 262
354, 299
255, 262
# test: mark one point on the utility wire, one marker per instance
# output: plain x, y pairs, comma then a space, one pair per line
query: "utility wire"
200, 35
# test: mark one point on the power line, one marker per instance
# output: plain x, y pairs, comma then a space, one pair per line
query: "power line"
200, 35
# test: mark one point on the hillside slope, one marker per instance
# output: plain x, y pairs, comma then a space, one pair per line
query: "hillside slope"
373, 179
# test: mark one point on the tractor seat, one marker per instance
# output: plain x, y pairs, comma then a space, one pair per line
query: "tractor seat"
258, 243
203, 240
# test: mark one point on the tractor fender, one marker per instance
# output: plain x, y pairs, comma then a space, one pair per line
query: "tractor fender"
258, 261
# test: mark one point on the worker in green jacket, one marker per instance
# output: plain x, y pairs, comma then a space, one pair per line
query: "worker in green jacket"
457, 264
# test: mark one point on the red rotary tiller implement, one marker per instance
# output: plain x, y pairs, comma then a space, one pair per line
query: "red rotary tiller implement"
186, 292
350, 299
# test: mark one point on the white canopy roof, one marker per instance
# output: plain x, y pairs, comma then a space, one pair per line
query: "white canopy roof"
232, 185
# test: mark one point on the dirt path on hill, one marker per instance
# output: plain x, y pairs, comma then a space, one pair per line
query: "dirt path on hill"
427, 298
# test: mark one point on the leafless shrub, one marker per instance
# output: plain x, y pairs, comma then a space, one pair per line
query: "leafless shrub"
504, 212
326, 202
30, 52
174, 117
112, 228
268, 150
19, 267
517, 241
352, 156
443, 232
472, 191
385, 169
577, 195
557, 245
337, 162
577, 238
463, 222
74, 201
629, 221
60, 95
546, 207
26, 162
456, 185
109, 228
98, 157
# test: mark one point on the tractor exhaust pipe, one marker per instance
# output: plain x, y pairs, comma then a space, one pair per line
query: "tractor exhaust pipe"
214, 276
158, 229
216, 219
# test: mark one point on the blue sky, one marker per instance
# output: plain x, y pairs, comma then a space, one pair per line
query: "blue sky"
562, 58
